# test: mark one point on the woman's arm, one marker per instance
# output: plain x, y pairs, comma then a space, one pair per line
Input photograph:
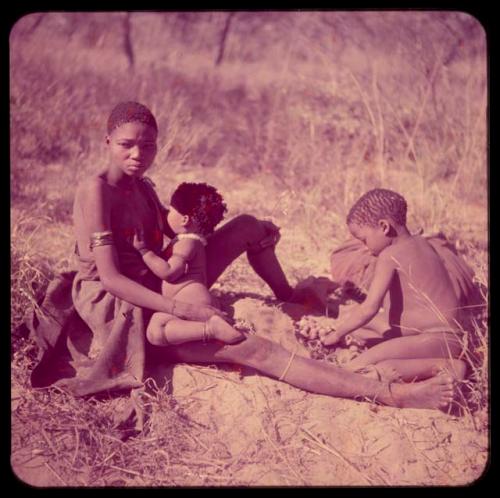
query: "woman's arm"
363, 313
97, 217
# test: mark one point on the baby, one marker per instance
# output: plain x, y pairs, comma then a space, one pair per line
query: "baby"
195, 210
410, 299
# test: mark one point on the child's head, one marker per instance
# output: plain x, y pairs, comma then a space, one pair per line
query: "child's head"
132, 133
196, 206
376, 217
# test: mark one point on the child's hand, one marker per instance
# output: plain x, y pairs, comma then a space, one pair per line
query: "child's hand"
138, 241
330, 338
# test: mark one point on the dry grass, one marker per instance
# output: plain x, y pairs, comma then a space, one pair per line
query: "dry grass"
308, 110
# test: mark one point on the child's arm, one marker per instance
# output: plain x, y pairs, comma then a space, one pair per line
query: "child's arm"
169, 270
363, 313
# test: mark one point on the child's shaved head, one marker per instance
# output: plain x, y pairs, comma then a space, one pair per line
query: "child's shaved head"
377, 204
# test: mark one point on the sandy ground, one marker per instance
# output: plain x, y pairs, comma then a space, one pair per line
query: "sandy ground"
276, 435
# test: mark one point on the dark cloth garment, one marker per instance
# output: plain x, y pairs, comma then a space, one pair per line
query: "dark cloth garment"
90, 341
352, 263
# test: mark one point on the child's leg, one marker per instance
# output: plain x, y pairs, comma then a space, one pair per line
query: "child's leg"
194, 293
410, 370
425, 345
165, 329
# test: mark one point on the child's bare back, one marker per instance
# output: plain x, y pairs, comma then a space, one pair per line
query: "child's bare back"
421, 296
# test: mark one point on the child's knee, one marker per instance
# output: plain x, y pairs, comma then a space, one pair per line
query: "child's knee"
155, 332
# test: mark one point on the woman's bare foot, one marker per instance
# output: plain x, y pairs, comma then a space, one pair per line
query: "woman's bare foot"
217, 328
436, 392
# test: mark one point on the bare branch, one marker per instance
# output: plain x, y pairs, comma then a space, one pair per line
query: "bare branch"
222, 43
127, 39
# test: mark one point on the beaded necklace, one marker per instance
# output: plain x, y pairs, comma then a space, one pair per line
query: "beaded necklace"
194, 236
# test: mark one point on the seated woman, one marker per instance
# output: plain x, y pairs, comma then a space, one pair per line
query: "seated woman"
115, 293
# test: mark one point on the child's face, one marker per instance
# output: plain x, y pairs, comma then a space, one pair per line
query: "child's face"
176, 220
374, 238
133, 147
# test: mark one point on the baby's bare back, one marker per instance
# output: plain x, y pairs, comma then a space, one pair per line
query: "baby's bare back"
421, 293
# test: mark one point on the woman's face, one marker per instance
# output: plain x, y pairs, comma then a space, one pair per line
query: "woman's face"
133, 147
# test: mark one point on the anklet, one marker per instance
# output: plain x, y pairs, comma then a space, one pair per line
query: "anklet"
194, 236
206, 335
285, 371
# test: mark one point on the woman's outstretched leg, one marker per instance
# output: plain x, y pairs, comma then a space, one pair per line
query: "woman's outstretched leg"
315, 376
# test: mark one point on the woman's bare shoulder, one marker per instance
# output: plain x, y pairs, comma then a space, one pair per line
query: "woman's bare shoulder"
91, 186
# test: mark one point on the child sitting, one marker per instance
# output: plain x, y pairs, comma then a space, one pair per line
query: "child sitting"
410, 300
195, 209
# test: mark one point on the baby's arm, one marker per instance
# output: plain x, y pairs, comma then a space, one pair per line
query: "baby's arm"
171, 269
364, 312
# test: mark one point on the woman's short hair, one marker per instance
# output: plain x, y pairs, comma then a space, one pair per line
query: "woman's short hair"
128, 112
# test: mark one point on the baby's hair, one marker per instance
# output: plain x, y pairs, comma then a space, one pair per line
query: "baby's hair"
377, 204
200, 201
127, 112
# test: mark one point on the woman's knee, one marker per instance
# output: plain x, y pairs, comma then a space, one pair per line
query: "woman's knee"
250, 228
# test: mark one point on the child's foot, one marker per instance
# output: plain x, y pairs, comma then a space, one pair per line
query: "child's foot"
219, 329
437, 393
383, 373
388, 373
456, 368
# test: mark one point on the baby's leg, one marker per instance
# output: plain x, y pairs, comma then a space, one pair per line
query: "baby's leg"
194, 293
425, 345
165, 329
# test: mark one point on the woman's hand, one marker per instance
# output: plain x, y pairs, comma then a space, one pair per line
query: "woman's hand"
197, 312
271, 238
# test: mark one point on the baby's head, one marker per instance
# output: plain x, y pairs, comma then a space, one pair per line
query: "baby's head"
377, 217
195, 207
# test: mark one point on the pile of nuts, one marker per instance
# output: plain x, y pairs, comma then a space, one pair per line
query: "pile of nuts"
308, 330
